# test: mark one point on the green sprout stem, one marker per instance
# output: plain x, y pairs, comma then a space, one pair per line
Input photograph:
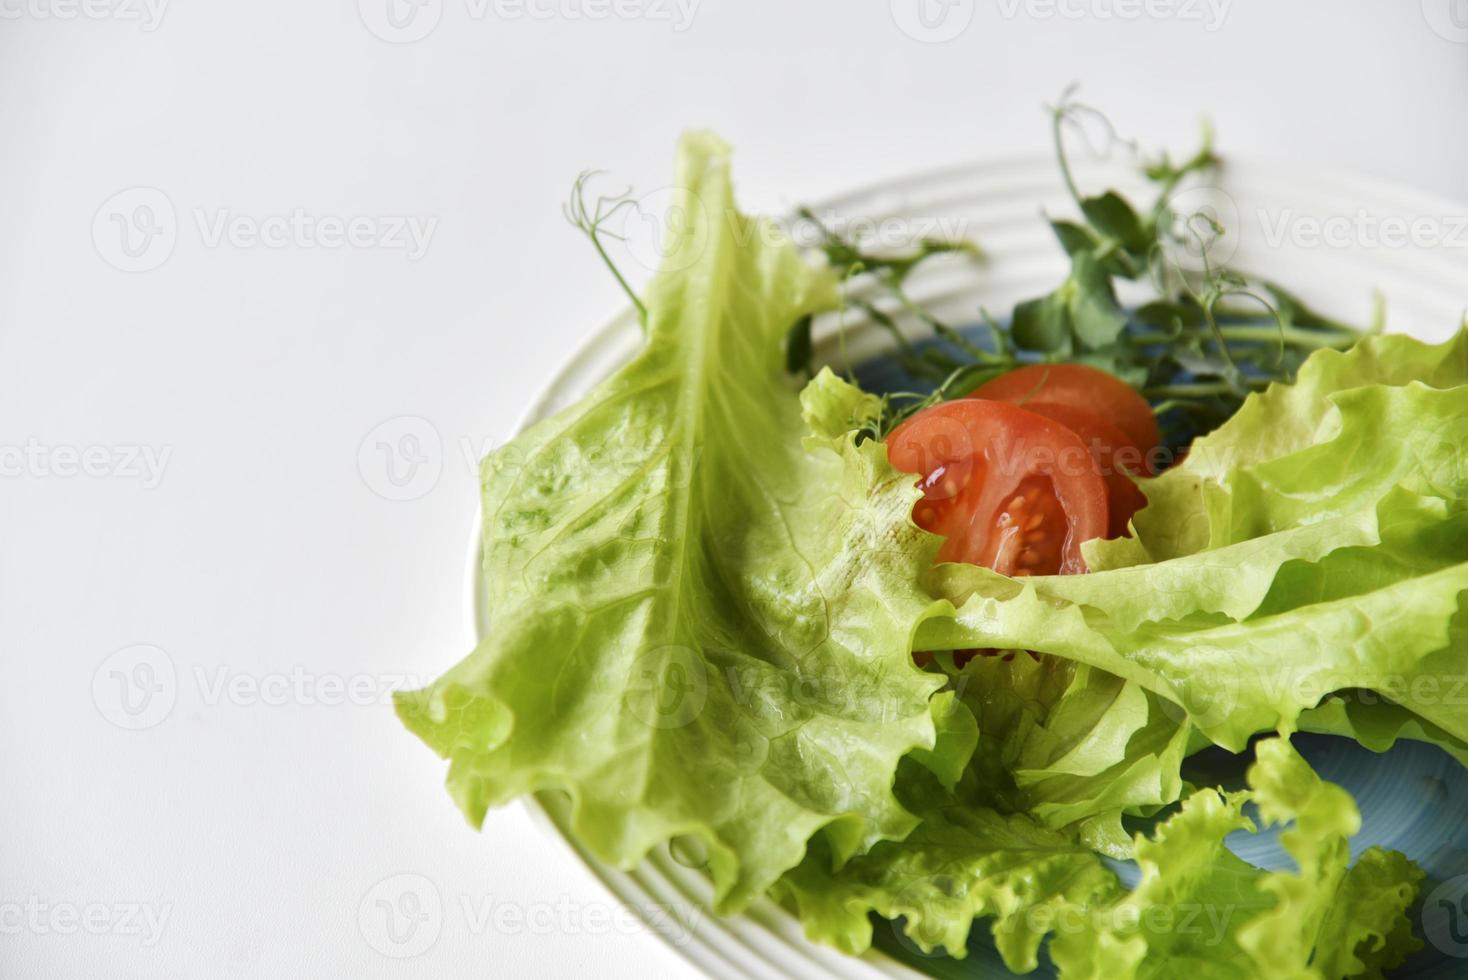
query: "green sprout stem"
590, 221
1294, 336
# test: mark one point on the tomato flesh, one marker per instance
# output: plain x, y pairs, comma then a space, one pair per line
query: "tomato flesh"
1007, 488
1113, 454
1085, 388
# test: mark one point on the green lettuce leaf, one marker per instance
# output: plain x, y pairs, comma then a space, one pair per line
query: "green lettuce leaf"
1428, 700
965, 861
1320, 565
1323, 912
957, 737
1179, 919
1376, 723
1072, 746
1199, 910
1063, 751
1233, 679
1280, 422
701, 620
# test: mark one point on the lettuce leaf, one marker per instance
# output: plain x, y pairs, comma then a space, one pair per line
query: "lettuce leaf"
1376, 723
965, 861
702, 618
1325, 914
1071, 746
1237, 678
1330, 553
1286, 559
1280, 422
1196, 910
1199, 910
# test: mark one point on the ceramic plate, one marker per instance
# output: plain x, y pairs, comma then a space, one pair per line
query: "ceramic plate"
1334, 239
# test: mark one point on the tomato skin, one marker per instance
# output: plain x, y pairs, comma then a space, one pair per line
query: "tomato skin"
1008, 489
1111, 451
1081, 387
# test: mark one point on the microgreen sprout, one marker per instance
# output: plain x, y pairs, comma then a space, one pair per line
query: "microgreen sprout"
592, 221
1209, 337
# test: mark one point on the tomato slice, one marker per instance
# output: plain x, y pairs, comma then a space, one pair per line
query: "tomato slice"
1086, 388
1007, 488
1114, 455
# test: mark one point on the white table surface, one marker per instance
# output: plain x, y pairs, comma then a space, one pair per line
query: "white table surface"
248, 832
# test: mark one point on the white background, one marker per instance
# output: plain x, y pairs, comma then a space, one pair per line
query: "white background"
261, 821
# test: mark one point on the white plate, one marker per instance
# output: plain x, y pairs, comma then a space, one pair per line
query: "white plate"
1331, 238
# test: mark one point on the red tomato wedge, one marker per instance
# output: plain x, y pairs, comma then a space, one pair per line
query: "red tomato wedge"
1007, 488
1113, 455
1086, 388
